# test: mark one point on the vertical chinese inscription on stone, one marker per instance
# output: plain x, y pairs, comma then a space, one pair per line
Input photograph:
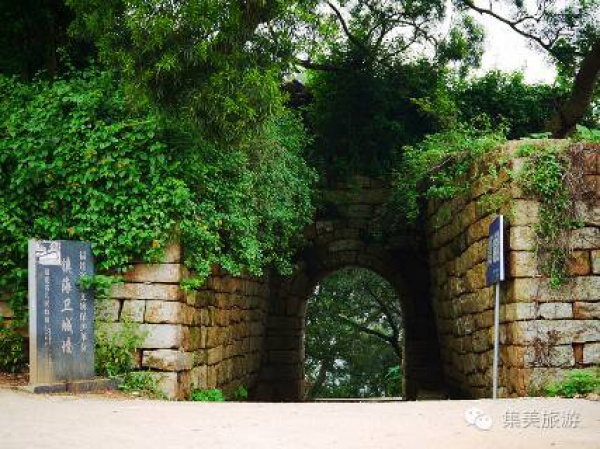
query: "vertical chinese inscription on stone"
61, 313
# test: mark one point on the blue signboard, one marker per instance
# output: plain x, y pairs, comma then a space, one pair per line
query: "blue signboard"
495, 252
61, 314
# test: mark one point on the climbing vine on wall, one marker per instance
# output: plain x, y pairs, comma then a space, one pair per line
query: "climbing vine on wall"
438, 168
554, 175
79, 161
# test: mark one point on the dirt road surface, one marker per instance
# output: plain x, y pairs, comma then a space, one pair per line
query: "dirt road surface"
68, 422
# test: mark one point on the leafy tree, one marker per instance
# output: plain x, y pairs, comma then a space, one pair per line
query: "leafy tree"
361, 115
77, 161
570, 33
507, 101
34, 38
353, 336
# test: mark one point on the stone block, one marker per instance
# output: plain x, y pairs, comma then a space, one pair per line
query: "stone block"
199, 377
578, 263
147, 291
190, 316
106, 310
168, 384
589, 213
553, 356
163, 312
168, 360
524, 213
586, 310
564, 331
158, 273
194, 338
591, 163
172, 253
586, 238
583, 288
517, 312
479, 230
591, 353
555, 310
481, 341
133, 310
215, 355
475, 278
596, 261
162, 336
522, 264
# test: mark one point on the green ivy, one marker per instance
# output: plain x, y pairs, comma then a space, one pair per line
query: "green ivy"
438, 168
80, 161
544, 176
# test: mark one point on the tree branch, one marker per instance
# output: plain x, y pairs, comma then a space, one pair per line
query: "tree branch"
323, 66
367, 330
572, 111
346, 29
512, 24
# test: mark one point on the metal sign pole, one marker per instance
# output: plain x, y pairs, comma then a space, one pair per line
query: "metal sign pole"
496, 341
494, 275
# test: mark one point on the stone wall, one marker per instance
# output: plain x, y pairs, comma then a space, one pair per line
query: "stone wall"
211, 338
345, 233
543, 331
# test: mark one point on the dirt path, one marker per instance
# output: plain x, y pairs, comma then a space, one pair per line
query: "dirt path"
30, 422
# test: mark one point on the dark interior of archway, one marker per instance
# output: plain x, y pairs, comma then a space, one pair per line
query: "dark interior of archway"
353, 337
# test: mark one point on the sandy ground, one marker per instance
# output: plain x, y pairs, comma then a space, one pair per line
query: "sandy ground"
35, 421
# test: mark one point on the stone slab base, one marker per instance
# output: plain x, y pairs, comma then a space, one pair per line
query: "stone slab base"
76, 386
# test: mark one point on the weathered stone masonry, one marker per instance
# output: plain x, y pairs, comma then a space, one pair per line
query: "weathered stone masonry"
210, 338
543, 331
248, 331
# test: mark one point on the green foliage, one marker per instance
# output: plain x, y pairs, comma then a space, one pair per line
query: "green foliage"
208, 395
362, 114
393, 381
353, 336
508, 102
77, 161
11, 349
115, 347
100, 284
584, 134
438, 168
544, 176
144, 383
209, 63
115, 351
577, 382
240, 394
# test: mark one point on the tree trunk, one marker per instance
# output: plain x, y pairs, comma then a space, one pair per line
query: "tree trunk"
320, 380
572, 111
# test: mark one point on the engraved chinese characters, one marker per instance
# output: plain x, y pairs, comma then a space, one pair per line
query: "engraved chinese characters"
61, 313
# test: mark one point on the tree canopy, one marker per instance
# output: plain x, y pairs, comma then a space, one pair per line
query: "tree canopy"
354, 336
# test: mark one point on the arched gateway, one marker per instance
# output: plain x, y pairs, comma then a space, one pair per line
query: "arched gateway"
342, 236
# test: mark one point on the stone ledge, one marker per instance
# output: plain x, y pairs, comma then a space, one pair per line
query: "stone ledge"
158, 336
164, 273
168, 360
131, 290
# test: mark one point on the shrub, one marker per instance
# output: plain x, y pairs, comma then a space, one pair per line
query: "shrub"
208, 395
577, 382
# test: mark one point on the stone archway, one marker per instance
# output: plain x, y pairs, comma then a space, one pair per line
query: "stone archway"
342, 237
